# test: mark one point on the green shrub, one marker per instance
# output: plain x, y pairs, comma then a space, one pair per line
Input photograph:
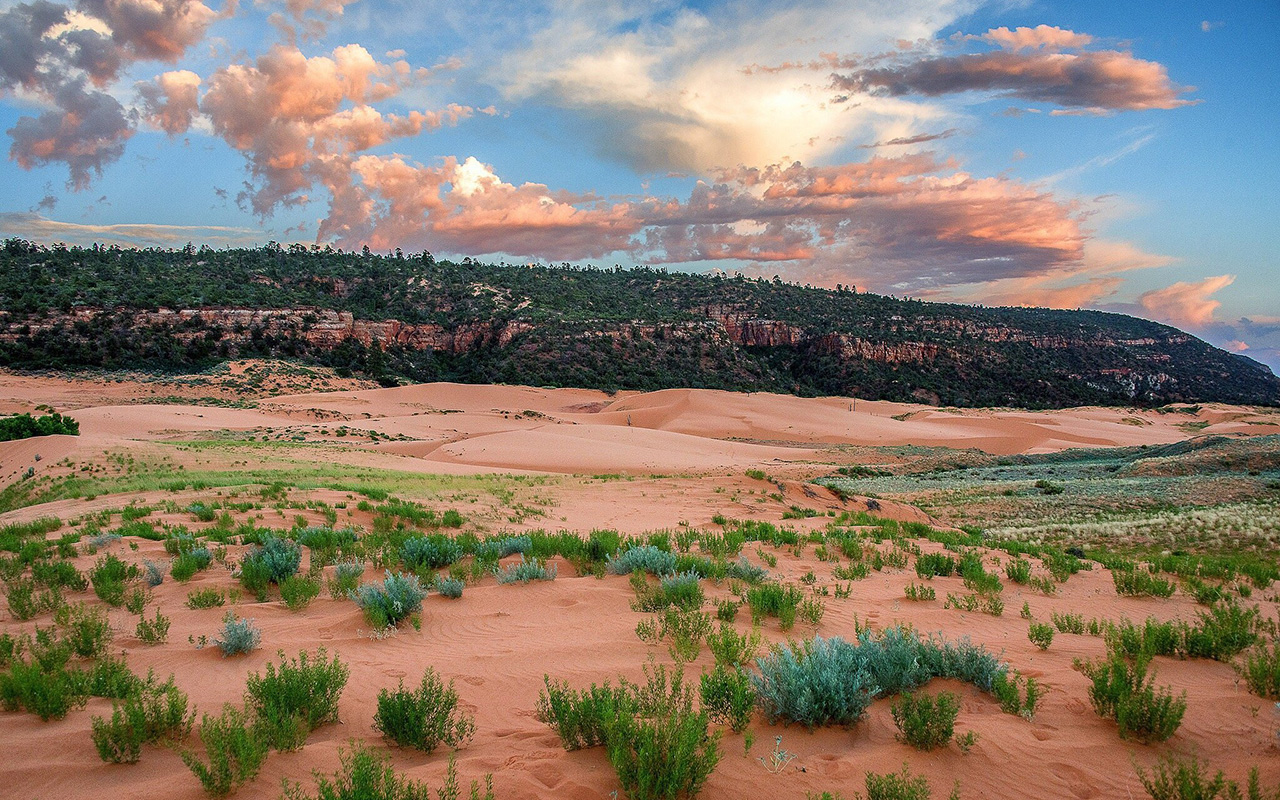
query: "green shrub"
728, 697
272, 562
1018, 570
424, 718
159, 712
898, 786
976, 578
49, 694
920, 592
429, 552
111, 678
297, 591
774, 600
109, 577
234, 752
85, 629
929, 565
1041, 635
1224, 631
582, 718
1121, 689
238, 635
296, 697
25, 602
1068, 623
525, 570
367, 775
1260, 669
188, 563
682, 590
385, 604
727, 610
683, 630
733, 649
25, 426
206, 598
1176, 779
926, 722
58, 575
153, 631
1141, 583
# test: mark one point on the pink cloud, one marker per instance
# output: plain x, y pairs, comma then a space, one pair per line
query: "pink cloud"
1186, 304
171, 101
1041, 37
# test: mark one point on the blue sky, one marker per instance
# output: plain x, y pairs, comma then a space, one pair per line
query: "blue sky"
1103, 155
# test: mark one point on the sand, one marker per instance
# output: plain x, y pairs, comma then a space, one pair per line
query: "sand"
636, 463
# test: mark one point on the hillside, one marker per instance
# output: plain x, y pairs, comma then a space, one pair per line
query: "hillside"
424, 319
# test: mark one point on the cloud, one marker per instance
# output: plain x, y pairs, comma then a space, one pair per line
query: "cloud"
1091, 81
65, 58
310, 18
1208, 26
39, 228
1186, 304
1041, 37
171, 101
919, 138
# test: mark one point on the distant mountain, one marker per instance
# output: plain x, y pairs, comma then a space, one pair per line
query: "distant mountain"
423, 319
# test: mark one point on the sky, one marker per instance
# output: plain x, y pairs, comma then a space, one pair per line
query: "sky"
1116, 156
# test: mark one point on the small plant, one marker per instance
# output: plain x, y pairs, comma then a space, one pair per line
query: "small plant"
727, 610
774, 600
450, 587
366, 775
647, 558
1041, 635
1176, 779
728, 697
385, 604
920, 592
234, 752
581, 718
733, 649
664, 755
1141, 583
136, 599
153, 573
238, 635
153, 631
929, 565
812, 610
1068, 623
1260, 669
424, 718
684, 631
346, 577
188, 563
899, 786
1025, 613
966, 741
1018, 570
926, 722
110, 577
85, 629
206, 598
297, 591
525, 570
295, 698
158, 712
1122, 690
778, 758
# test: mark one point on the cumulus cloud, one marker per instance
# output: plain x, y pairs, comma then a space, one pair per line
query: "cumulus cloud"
1041, 37
171, 101
66, 57
1186, 304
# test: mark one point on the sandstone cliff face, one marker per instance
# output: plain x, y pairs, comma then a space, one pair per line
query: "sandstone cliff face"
964, 341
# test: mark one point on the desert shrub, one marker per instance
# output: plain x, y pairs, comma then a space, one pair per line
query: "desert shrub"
234, 752
49, 694
525, 570
774, 600
898, 786
494, 549
1068, 623
449, 587
854, 571
429, 552
25, 426
582, 718
926, 722
1174, 778
296, 697
811, 610
647, 558
984, 603
385, 604
25, 602
1141, 583
728, 697
1121, 689
10, 648
109, 577
929, 565
424, 718
684, 632
346, 577
58, 575
976, 578
297, 591
1041, 635
184, 566
85, 629
367, 775
238, 635
662, 749
1018, 570
682, 590
727, 610
111, 678
1224, 631
733, 649
920, 592
815, 682
153, 631
206, 598
159, 712
153, 573
1151, 638
1260, 669
743, 570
